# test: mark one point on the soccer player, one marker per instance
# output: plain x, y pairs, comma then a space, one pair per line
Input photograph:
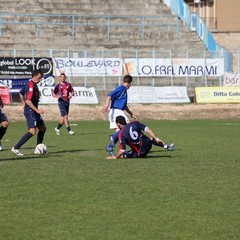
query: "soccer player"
63, 92
132, 134
32, 113
4, 123
117, 101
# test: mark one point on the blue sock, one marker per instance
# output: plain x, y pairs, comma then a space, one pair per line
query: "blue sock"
23, 140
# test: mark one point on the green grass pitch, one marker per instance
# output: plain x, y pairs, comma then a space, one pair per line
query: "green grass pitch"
73, 192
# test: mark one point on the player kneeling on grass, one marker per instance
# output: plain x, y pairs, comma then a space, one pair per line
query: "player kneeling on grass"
131, 134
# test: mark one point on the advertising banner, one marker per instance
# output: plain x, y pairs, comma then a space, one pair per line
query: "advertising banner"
217, 94
24, 66
82, 95
88, 66
15, 85
143, 67
5, 95
179, 67
231, 79
158, 95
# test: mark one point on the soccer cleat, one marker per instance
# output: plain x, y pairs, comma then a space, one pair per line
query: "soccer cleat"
110, 150
71, 132
57, 131
17, 152
0, 146
171, 147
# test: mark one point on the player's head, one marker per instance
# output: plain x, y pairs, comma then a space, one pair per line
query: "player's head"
63, 77
37, 75
121, 121
127, 81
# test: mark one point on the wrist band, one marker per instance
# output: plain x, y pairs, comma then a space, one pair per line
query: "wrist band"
157, 139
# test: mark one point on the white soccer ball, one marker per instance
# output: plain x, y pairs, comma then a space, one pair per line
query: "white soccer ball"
41, 149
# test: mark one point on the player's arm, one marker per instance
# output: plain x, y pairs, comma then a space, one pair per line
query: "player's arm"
54, 93
71, 92
22, 98
30, 104
153, 135
107, 104
129, 112
1, 102
119, 155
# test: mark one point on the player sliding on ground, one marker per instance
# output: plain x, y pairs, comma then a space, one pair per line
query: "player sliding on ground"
132, 134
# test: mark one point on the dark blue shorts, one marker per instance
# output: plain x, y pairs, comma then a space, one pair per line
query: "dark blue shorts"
33, 118
143, 151
63, 107
3, 117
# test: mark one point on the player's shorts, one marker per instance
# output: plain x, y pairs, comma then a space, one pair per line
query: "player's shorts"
3, 117
143, 151
113, 113
33, 118
63, 107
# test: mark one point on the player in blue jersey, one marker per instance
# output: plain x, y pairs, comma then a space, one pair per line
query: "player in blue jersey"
63, 92
132, 135
31, 112
4, 122
117, 101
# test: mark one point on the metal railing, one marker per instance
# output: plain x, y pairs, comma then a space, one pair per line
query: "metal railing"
73, 22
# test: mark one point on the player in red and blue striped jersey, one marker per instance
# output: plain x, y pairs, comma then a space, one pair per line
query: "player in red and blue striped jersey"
31, 112
63, 92
132, 135
3, 121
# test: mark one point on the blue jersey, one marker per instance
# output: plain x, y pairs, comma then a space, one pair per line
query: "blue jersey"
119, 98
132, 135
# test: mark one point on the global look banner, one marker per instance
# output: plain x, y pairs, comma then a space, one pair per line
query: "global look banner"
217, 94
24, 66
143, 67
158, 95
82, 95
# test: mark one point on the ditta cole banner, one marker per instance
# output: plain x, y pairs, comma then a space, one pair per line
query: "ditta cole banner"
217, 94
24, 66
158, 95
82, 95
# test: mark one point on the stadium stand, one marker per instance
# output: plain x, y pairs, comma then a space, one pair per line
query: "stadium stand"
42, 25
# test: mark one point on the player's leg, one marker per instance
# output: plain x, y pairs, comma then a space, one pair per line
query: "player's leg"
113, 113
113, 140
4, 125
169, 147
146, 147
31, 122
61, 122
41, 129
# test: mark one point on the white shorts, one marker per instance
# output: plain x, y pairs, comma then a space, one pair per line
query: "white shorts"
113, 113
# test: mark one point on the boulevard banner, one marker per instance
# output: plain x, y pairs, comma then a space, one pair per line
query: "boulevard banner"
143, 67
82, 95
24, 66
158, 95
217, 94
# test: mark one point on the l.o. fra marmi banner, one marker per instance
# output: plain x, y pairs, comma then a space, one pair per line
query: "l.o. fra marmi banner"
217, 94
